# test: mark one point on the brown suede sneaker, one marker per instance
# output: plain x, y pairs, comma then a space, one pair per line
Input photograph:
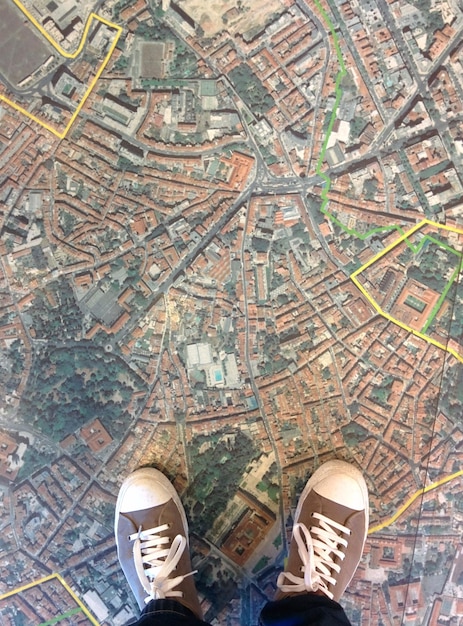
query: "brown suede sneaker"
152, 540
329, 533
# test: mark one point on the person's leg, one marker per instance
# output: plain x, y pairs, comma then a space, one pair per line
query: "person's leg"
305, 609
329, 533
152, 544
168, 613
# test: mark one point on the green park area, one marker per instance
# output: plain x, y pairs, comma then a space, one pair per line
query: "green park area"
217, 471
251, 90
69, 387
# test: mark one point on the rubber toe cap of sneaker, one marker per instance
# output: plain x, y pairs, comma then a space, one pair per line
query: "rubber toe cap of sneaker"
343, 490
143, 490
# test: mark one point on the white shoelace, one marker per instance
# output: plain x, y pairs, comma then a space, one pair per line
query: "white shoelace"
316, 549
155, 561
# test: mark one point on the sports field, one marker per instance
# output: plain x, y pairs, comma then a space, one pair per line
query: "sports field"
22, 50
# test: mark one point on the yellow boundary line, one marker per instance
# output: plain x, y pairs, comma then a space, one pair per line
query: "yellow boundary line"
61, 135
373, 302
412, 499
65, 585
373, 529
68, 55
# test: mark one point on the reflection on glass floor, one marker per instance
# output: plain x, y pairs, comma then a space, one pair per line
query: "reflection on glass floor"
62, 497
232, 316
412, 571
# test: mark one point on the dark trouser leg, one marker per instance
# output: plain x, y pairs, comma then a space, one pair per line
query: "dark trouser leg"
304, 610
168, 613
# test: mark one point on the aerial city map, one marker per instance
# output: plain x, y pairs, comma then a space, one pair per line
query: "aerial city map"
231, 248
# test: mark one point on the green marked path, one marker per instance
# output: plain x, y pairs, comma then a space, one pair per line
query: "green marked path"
327, 185
338, 95
441, 299
326, 188
442, 244
59, 618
